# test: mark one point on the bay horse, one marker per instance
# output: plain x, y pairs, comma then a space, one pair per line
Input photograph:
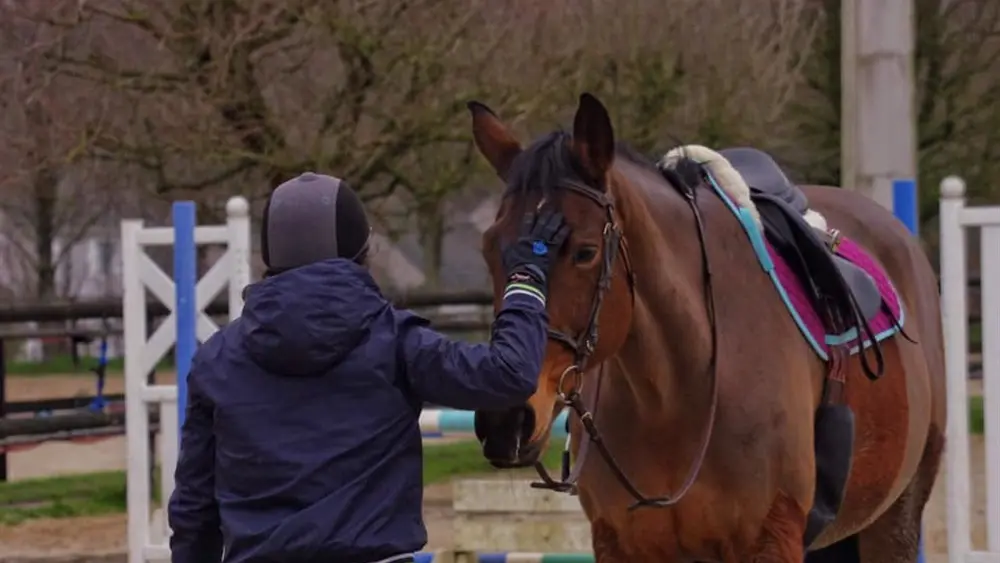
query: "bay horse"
688, 358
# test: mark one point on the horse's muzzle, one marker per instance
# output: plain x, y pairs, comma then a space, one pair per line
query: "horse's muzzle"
505, 437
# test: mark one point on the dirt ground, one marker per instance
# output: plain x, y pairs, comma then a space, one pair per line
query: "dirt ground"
106, 534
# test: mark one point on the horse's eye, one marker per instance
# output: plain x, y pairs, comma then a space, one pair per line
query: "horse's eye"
584, 255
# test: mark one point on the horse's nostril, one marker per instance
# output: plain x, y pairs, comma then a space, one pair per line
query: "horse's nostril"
504, 436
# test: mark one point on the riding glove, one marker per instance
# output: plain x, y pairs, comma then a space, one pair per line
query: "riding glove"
528, 259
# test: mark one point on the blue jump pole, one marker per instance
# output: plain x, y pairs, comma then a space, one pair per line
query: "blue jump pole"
904, 204
905, 207
185, 281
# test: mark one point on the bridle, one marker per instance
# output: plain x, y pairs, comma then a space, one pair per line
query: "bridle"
583, 346
570, 384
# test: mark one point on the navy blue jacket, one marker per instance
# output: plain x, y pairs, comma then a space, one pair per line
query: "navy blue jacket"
302, 441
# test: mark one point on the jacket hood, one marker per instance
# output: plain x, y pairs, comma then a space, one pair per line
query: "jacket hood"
307, 320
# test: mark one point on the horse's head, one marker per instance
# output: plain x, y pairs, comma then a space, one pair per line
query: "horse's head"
590, 296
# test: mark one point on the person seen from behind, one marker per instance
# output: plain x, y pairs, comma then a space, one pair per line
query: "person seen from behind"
301, 442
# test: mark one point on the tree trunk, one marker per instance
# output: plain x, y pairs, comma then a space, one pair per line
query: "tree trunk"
432, 231
44, 189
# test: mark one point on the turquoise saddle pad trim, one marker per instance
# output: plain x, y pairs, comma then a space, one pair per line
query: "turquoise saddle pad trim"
756, 237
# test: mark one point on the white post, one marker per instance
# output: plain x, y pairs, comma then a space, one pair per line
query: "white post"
136, 414
955, 218
238, 222
955, 318
990, 291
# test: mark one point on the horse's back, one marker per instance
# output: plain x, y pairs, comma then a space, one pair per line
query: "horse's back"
910, 399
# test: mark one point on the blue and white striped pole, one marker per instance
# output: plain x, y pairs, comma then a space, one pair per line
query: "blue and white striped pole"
437, 423
185, 283
905, 205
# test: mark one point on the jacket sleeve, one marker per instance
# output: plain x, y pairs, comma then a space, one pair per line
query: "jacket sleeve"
193, 513
461, 375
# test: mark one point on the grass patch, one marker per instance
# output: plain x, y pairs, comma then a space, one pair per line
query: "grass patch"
93, 494
89, 494
446, 461
977, 417
975, 337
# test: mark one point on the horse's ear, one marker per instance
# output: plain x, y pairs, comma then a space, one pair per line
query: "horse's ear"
493, 139
593, 137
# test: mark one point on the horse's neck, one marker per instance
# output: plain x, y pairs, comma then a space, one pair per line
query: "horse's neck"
669, 343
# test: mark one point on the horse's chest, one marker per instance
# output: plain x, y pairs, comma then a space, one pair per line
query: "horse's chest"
635, 538
650, 535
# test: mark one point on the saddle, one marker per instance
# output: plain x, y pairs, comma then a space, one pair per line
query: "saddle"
845, 297
809, 251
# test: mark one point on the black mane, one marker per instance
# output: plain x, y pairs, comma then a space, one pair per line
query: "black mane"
543, 165
548, 162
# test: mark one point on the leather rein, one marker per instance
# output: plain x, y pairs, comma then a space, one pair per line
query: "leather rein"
570, 385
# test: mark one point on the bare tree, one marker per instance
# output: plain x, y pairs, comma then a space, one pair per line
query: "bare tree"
447, 172
49, 199
666, 78
699, 71
246, 94
217, 97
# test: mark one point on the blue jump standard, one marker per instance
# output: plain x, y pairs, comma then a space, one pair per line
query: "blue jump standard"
906, 208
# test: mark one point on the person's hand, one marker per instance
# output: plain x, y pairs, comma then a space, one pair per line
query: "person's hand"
529, 258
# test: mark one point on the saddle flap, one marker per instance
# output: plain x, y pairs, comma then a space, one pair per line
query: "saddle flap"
863, 287
824, 272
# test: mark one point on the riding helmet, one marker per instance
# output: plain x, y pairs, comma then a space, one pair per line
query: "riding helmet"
311, 218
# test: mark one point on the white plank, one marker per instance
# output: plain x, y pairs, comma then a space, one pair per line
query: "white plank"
213, 282
524, 533
980, 216
205, 327
157, 281
215, 234
158, 344
499, 497
982, 557
159, 394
